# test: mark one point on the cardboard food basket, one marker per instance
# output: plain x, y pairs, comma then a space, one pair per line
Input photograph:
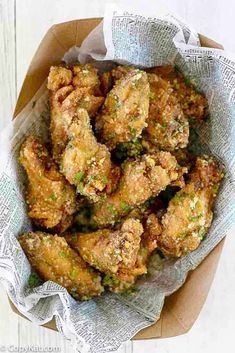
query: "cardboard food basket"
182, 308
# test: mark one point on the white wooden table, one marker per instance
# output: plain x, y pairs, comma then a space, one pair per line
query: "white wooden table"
22, 25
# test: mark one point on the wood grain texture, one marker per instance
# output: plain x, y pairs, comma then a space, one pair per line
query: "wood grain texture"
8, 322
22, 26
7, 60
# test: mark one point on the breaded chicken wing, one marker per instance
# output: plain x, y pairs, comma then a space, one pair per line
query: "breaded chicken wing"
189, 214
193, 103
85, 162
167, 127
68, 93
183, 157
64, 104
125, 110
81, 76
53, 259
109, 250
51, 200
142, 178
126, 277
59, 76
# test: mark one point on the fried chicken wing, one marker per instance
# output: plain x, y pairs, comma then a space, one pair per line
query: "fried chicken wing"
125, 110
189, 214
183, 157
126, 277
64, 104
81, 76
85, 162
142, 178
59, 76
167, 127
78, 98
193, 103
70, 90
109, 250
53, 259
51, 200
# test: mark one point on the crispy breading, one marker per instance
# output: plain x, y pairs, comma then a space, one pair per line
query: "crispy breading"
183, 157
59, 76
142, 178
86, 75
80, 75
128, 172
64, 104
120, 71
70, 90
126, 277
152, 229
108, 250
51, 200
193, 103
80, 97
125, 110
189, 213
167, 127
53, 259
85, 162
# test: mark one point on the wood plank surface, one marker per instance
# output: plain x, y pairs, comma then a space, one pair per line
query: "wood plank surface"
7, 60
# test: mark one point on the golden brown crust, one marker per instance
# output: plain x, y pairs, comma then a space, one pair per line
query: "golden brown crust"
120, 71
51, 200
126, 277
85, 162
142, 178
167, 127
86, 75
59, 77
189, 214
193, 103
54, 260
77, 87
108, 250
152, 230
144, 125
125, 110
